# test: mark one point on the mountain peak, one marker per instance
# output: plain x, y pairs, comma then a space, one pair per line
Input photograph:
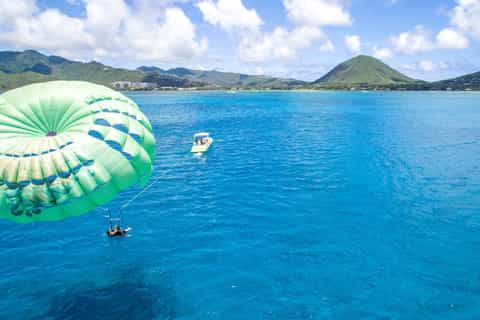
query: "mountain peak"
363, 70
31, 51
149, 69
181, 72
364, 56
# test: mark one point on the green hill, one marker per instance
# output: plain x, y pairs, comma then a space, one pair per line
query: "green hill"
166, 80
20, 68
466, 82
363, 71
225, 79
9, 81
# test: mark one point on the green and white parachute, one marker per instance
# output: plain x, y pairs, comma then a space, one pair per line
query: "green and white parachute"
67, 147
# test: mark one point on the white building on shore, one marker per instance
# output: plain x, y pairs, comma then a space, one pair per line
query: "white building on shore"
133, 85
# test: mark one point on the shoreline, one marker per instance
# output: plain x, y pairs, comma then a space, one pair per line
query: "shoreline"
291, 90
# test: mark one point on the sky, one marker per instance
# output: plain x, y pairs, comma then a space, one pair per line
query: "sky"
302, 39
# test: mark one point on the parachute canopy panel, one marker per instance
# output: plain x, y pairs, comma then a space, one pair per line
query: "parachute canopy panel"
67, 147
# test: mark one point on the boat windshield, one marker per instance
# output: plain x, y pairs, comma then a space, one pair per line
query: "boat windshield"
201, 139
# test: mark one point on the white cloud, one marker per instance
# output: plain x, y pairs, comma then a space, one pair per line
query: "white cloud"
43, 32
110, 28
409, 67
413, 42
229, 14
12, 10
426, 66
382, 53
464, 21
280, 44
258, 71
327, 46
451, 39
466, 17
353, 43
429, 66
104, 18
19, 8
419, 40
317, 12
307, 17
164, 43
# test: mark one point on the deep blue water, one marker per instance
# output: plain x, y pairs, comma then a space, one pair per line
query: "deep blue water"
312, 205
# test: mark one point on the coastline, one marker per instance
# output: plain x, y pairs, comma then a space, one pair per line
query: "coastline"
289, 90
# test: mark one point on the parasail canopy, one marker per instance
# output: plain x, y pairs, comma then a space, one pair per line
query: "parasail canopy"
67, 147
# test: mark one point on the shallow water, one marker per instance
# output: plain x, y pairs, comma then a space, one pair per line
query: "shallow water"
310, 205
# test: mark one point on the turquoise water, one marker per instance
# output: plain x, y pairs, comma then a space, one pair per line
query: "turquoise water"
314, 205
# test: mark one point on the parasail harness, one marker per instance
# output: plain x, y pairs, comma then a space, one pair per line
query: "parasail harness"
111, 220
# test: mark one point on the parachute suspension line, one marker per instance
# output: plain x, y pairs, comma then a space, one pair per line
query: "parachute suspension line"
126, 204
135, 197
109, 217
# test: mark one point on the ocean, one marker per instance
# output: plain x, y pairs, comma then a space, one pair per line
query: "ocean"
309, 205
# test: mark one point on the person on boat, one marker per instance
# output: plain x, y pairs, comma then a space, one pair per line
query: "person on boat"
116, 232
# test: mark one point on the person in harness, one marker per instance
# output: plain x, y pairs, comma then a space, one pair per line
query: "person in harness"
117, 231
